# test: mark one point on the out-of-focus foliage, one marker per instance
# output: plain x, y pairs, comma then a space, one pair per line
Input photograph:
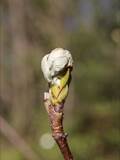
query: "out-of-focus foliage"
91, 31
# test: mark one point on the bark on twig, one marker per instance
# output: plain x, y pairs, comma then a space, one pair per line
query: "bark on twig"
56, 122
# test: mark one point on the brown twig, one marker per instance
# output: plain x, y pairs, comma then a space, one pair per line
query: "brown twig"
56, 122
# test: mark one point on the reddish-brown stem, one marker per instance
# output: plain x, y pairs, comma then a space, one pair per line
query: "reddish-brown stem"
56, 121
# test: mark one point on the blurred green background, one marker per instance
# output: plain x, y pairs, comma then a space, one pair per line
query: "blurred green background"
90, 29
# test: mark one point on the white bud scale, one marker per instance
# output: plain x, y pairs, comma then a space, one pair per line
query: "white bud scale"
55, 62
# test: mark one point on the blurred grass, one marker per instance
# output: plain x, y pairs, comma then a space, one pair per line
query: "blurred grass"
10, 153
